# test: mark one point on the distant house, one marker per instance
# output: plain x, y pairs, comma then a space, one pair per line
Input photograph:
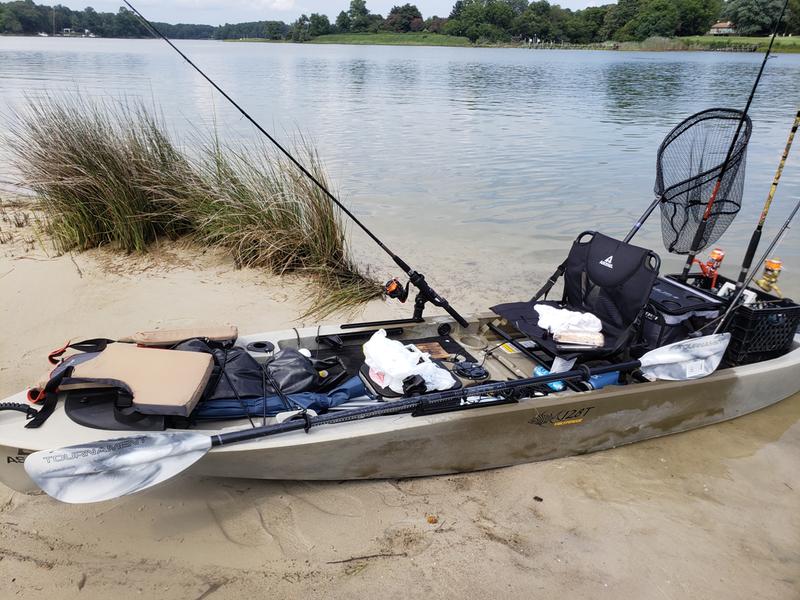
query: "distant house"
723, 28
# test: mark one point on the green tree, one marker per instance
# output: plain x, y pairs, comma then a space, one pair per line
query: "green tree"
655, 18
404, 18
458, 9
275, 30
535, 22
695, 17
590, 22
127, 25
793, 20
343, 22
359, 16
300, 29
517, 6
9, 23
481, 19
319, 25
753, 17
618, 16
436, 24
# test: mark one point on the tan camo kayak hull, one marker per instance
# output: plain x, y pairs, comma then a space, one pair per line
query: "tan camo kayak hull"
404, 446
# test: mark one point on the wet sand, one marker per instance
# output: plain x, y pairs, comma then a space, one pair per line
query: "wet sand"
713, 513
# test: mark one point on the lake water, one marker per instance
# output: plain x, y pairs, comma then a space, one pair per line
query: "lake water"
478, 166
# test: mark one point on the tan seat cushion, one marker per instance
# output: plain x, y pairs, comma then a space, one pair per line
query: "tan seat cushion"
168, 337
163, 382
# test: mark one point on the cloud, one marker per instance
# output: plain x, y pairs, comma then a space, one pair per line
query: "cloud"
279, 5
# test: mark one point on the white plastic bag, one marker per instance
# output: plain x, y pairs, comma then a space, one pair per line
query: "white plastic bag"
394, 361
690, 359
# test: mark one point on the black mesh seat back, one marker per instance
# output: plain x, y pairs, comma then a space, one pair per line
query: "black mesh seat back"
610, 279
689, 164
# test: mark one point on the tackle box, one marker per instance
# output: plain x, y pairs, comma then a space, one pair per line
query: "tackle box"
676, 310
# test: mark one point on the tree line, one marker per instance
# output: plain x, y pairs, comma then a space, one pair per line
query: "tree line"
489, 21
24, 17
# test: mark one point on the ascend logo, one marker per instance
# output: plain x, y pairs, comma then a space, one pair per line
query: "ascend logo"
608, 262
19, 458
572, 416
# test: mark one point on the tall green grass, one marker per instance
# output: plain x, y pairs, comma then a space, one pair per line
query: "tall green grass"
108, 173
97, 169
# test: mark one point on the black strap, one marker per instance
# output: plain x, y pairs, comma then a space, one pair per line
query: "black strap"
50, 399
550, 282
93, 345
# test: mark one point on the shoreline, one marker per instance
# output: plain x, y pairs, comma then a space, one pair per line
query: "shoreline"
690, 44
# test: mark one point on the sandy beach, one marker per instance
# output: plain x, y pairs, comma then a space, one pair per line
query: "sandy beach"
713, 513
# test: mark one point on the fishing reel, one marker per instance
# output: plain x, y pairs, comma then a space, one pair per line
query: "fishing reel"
769, 280
425, 293
710, 268
394, 289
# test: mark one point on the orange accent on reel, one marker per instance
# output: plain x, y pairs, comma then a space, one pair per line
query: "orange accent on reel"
717, 255
711, 267
774, 264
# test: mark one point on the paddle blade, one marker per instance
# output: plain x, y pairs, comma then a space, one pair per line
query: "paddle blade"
690, 359
108, 469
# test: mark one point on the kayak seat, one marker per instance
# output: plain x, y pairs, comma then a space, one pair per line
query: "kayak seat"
603, 276
161, 382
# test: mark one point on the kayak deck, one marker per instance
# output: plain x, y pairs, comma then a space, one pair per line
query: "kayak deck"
560, 424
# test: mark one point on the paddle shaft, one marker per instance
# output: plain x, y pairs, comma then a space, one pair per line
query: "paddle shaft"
697, 241
408, 404
756, 238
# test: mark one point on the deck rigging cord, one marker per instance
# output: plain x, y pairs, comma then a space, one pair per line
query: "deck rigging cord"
697, 242
747, 263
425, 292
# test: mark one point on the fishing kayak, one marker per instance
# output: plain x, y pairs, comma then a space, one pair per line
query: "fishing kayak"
528, 428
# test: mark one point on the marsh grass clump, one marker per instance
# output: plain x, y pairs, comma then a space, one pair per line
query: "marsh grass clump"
109, 174
100, 172
259, 206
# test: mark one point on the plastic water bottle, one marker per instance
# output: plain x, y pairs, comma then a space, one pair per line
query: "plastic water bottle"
556, 386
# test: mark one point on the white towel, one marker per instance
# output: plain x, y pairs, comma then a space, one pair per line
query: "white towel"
560, 320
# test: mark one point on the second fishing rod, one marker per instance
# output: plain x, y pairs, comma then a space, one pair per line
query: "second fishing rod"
755, 240
697, 241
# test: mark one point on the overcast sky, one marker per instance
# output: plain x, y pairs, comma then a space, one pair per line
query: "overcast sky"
216, 12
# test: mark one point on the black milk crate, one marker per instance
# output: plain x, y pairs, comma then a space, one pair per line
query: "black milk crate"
762, 331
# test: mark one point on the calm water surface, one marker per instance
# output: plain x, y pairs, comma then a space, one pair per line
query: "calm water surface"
478, 166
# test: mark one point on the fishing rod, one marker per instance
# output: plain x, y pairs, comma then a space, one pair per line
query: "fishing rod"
425, 292
756, 238
701, 230
734, 302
